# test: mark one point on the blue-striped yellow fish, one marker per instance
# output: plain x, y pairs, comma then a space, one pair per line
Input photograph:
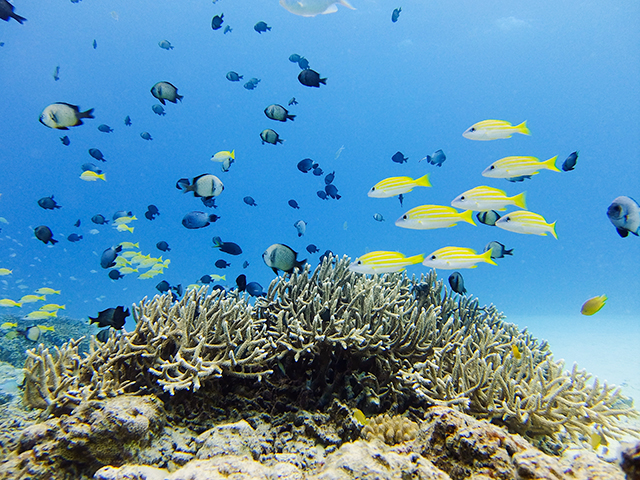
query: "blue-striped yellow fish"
494, 130
52, 307
524, 221
90, 176
453, 258
47, 291
129, 245
392, 186
41, 315
427, 217
510, 167
383, 262
7, 302
593, 305
483, 198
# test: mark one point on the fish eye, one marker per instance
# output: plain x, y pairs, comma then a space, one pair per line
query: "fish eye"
472, 129
433, 257
491, 167
508, 219
359, 262
404, 217
462, 197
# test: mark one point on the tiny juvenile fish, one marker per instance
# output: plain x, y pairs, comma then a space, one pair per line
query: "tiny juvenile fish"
512, 167
524, 221
485, 198
428, 217
383, 262
452, 258
392, 186
593, 305
494, 130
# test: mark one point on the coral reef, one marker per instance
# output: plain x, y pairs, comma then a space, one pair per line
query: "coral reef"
384, 344
391, 430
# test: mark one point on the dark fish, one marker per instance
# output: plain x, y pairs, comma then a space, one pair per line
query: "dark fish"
222, 264
488, 218
401, 199
227, 247
65, 140
146, 136
241, 282
378, 217
233, 76
252, 83
99, 219
328, 254
194, 220
278, 112
294, 58
48, 203
111, 317
332, 191
330, 178
303, 63
165, 44
152, 212
457, 283
44, 234
6, 12
498, 250
311, 248
182, 183
250, 201
293, 204
91, 167
521, 178
311, 78
105, 128
293, 101
227, 29
270, 136
281, 257
624, 214
115, 274
317, 171
77, 224
245, 264
127, 121
95, 44
217, 21
261, 27
74, 237
206, 279
306, 165
163, 286
394, 19
437, 158
158, 109
108, 257
103, 335
166, 91
570, 163
255, 289
122, 213
163, 246
322, 194
97, 154
209, 202
398, 157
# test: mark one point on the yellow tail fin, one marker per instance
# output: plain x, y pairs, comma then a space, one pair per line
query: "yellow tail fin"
486, 257
416, 259
521, 200
423, 181
467, 216
522, 128
553, 230
551, 164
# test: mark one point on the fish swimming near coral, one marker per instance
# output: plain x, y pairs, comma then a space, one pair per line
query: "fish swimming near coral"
593, 305
281, 257
112, 317
452, 258
383, 262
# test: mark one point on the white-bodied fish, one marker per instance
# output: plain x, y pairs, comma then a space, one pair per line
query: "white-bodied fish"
311, 8
510, 167
427, 217
453, 258
494, 130
63, 115
524, 221
392, 186
483, 198
224, 155
89, 176
47, 291
383, 262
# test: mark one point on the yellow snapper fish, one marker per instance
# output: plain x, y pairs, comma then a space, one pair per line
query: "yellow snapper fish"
32, 298
44, 328
224, 155
8, 325
509, 167
124, 227
5, 271
41, 315
121, 261
392, 186
383, 262
218, 278
593, 305
161, 265
427, 217
148, 262
7, 302
129, 245
311, 8
123, 220
47, 291
494, 130
483, 198
524, 221
51, 307
89, 176
149, 274
453, 258
130, 254
127, 270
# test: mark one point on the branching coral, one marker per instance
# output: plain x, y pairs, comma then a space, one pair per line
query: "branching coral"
382, 342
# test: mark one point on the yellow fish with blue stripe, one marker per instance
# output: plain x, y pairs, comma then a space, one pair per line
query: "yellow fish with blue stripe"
524, 221
483, 198
41, 315
494, 130
89, 176
5, 271
7, 302
510, 167
129, 245
453, 258
124, 227
32, 298
593, 305
427, 217
51, 307
392, 186
47, 291
383, 262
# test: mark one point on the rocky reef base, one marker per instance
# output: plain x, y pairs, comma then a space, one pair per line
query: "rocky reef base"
130, 437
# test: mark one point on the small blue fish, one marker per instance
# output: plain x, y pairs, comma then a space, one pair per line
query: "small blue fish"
398, 157
65, 140
311, 248
250, 201
74, 237
378, 217
396, 14
457, 283
158, 109
570, 163
233, 76
293, 204
127, 121
195, 220
437, 158
306, 165
105, 128
146, 136
261, 27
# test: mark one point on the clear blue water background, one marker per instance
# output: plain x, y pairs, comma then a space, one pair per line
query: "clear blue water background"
571, 70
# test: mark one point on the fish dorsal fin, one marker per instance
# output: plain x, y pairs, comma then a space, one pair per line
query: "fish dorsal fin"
331, 9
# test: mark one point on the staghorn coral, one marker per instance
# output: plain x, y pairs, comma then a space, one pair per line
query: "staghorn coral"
383, 343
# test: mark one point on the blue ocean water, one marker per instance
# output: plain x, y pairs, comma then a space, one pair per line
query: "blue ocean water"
571, 71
